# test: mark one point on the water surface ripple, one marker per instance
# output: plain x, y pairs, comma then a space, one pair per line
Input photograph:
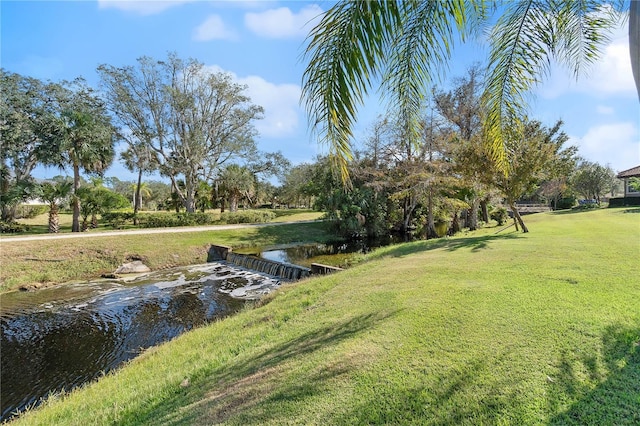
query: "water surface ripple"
59, 338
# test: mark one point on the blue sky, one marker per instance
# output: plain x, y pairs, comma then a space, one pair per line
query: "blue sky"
260, 43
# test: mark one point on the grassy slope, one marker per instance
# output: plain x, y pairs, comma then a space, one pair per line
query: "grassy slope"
494, 329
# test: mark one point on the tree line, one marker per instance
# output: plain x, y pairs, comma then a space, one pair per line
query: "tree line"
449, 179
192, 126
195, 128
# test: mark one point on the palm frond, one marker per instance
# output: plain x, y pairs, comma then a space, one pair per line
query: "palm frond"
419, 54
345, 51
524, 41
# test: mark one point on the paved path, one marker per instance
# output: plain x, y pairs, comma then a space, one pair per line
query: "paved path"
89, 234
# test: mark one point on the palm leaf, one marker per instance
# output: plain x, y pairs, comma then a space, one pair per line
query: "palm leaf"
525, 40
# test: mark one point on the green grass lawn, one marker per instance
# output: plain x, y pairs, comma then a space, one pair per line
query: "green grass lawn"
537, 328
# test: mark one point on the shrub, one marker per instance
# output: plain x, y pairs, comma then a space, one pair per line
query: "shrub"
12, 227
167, 220
29, 211
499, 214
117, 219
247, 216
565, 203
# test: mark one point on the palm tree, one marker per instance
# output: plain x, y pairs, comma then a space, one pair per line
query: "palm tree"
238, 182
84, 137
406, 45
54, 193
140, 157
141, 191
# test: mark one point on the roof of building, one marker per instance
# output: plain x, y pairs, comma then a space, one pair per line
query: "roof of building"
633, 172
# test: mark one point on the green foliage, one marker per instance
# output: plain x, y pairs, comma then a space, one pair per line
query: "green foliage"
12, 227
247, 216
592, 180
405, 45
566, 203
167, 220
117, 219
499, 214
29, 211
208, 116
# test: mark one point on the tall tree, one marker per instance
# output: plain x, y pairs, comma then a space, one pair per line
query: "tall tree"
193, 119
592, 180
139, 157
531, 151
461, 108
27, 108
406, 45
83, 136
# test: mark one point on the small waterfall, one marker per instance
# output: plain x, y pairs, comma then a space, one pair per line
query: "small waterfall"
284, 271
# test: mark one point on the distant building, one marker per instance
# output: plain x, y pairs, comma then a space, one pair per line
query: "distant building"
631, 195
626, 177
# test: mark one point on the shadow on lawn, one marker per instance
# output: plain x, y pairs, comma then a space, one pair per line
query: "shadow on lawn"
616, 397
245, 388
449, 244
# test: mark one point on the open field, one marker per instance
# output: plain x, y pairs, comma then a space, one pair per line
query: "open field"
483, 328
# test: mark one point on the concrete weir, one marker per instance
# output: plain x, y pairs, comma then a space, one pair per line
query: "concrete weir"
284, 271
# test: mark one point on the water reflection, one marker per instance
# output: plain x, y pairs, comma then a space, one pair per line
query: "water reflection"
340, 254
59, 338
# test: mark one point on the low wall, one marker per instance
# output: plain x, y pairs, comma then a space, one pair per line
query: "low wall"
283, 270
320, 269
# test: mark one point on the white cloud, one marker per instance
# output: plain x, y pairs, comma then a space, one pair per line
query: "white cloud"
610, 75
142, 7
282, 22
213, 28
280, 103
605, 110
616, 144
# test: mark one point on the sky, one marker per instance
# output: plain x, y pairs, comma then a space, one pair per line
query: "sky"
260, 43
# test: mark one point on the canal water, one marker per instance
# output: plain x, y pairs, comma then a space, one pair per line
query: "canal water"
58, 338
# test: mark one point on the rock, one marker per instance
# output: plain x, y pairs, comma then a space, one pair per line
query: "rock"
134, 267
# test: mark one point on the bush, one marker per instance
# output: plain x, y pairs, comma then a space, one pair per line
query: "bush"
499, 214
168, 220
12, 227
247, 216
117, 219
565, 203
29, 211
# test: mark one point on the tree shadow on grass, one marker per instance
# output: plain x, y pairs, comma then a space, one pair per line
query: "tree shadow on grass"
475, 244
615, 400
248, 383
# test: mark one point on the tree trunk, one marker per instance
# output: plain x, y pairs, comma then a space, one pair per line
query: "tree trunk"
136, 199
472, 215
634, 42
54, 221
518, 219
75, 226
233, 203
455, 226
431, 224
484, 207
